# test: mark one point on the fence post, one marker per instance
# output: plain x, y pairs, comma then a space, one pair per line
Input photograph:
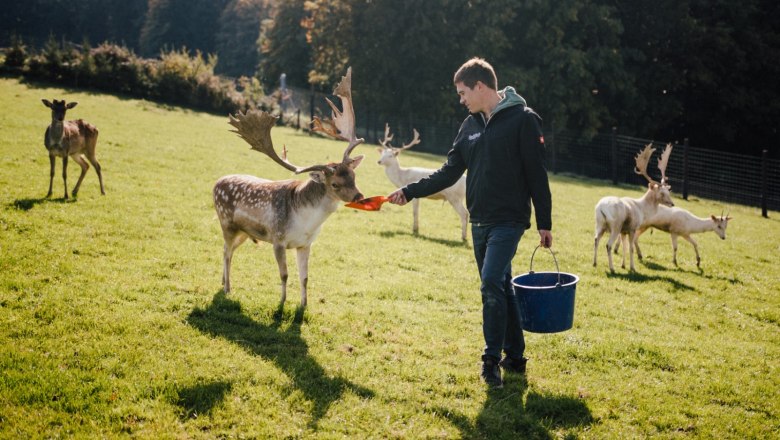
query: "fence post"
299, 119
552, 148
614, 155
764, 186
311, 108
685, 169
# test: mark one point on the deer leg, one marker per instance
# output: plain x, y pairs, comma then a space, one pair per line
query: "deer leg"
84, 167
464, 217
93, 160
232, 241
695, 248
281, 260
674, 249
636, 243
303, 270
596, 239
416, 213
65, 174
612, 237
631, 238
51, 174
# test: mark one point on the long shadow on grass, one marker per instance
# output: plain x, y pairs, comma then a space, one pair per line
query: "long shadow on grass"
283, 346
28, 204
642, 277
450, 243
505, 415
200, 399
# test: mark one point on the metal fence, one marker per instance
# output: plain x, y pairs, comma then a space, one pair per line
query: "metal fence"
717, 175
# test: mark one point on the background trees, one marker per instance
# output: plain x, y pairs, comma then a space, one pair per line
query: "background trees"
701, 69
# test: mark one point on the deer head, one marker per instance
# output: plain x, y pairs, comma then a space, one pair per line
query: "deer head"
58, 108
721, 223
388, 151
661, 190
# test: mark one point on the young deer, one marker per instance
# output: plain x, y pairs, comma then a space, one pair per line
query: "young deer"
681, 223
289, 213
70, 138
400, 177
625, 215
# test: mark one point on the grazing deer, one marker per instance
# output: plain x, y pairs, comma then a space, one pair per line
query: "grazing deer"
289, 213
681, 223
400, 177
625, 215
70, 138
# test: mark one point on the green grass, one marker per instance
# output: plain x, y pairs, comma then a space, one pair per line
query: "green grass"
113, 324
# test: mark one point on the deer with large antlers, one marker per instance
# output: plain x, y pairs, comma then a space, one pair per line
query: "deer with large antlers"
625, 215
74, 139
400, 177
289, 213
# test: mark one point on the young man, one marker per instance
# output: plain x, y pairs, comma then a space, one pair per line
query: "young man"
501, 145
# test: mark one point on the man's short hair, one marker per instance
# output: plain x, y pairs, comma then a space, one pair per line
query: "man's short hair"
476, 69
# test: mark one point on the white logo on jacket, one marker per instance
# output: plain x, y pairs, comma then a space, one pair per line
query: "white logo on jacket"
474, 136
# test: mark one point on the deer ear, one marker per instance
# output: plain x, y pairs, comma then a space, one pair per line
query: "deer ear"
317, 176
713, 218
356, 161
380, 149
71, 105
46, 102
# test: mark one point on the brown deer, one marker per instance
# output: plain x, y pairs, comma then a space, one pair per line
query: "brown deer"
70, 138
625, 215
288, 213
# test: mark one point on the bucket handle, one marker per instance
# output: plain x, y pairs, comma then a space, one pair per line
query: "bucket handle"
531, 268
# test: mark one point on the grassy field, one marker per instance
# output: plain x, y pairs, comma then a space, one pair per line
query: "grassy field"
113, 323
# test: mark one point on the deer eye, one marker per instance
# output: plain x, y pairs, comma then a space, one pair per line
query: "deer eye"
335, 186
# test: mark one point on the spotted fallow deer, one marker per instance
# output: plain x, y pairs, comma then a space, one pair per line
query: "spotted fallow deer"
400, 177
70, 138
625, 215
288, 213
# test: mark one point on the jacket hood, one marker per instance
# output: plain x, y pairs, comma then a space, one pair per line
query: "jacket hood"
509, 98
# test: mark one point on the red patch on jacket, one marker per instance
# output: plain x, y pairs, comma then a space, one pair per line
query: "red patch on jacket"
541, 139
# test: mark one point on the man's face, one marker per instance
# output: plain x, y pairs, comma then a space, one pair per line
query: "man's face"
469, 97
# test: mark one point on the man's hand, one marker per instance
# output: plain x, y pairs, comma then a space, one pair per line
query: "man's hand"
545, 238
397, 198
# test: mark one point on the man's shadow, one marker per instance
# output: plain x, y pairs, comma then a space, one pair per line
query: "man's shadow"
505, 416
285, 347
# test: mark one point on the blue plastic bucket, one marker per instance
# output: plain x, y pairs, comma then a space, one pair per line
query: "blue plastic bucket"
545, 299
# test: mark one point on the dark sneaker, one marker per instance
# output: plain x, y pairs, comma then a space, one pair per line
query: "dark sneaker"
513, 365
491, 374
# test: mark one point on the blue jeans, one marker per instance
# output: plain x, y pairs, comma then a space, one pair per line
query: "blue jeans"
494, 247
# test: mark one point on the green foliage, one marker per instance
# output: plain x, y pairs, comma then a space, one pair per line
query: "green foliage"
284, 47
16, 55
113, 324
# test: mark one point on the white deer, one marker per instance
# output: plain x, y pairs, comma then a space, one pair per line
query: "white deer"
681, 223
625, 215
289, 213
400, 177
70, 138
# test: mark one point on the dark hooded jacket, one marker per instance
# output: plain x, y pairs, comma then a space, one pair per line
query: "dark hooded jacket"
504, 157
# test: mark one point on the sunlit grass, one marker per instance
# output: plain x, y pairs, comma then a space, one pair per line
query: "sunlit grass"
112, 320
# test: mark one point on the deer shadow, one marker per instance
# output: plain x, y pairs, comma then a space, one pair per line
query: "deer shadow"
504, 415
285, 347
641, 278
28, 204
201, 398
448, 243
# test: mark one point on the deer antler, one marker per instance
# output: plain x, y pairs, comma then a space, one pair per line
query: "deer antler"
642, 159
388, 137
663, 161
255, 128
414, 141
342, 123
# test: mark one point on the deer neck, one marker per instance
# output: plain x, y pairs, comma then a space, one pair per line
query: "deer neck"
395, 172
698, 224
312, 193
56, 130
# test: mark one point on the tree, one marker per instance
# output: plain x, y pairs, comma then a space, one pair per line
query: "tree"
175, 24
283, 46
236, 40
